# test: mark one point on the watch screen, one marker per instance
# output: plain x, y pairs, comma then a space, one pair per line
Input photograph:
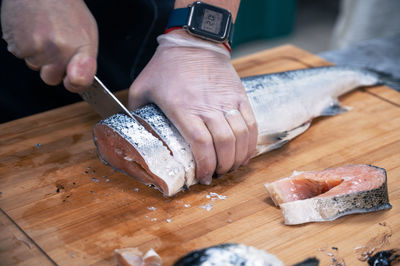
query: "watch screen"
211, 21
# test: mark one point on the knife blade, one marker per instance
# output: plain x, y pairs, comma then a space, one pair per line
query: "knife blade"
102, 100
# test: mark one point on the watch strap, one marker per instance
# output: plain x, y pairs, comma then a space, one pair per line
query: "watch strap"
180, 16
230, 34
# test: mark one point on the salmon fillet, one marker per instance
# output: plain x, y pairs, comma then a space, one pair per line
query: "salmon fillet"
326, 195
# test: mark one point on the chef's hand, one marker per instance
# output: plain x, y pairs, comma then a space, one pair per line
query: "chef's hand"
201, 93
59, 38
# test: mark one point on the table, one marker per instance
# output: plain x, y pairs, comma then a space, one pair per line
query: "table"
53, 210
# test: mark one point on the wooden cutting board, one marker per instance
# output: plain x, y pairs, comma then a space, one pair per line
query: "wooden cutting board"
61, 205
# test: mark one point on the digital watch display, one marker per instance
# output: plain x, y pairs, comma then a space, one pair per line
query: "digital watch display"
204, 20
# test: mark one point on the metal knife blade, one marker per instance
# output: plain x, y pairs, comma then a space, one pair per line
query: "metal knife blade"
102, 100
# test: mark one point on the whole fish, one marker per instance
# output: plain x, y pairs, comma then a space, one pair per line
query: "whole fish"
152, 150
317, 196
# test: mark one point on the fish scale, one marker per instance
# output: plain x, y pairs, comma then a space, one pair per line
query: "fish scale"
283, 104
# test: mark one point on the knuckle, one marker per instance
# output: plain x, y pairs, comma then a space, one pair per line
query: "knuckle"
39, 43
242, 133
205, 165
252, 124
60, 42
226, 138
200, 138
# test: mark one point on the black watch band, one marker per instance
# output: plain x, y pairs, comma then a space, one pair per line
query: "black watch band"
204, 21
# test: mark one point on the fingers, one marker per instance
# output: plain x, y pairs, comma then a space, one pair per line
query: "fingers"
251, 123
78, 70
219, 142
196, 133
52, 74
31, 64
51, 67
239, 128
81, 69
137, 95
224, 141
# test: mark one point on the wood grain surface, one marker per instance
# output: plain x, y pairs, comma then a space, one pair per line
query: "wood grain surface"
61, 205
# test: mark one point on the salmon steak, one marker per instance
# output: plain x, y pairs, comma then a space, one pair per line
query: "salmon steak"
152, 150
316, 196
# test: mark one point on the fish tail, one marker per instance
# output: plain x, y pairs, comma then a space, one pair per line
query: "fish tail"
386, 79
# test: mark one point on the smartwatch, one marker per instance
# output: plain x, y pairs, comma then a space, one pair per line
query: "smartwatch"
204, 21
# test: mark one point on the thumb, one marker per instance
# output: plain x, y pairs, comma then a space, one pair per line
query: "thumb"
81, 69
138, 95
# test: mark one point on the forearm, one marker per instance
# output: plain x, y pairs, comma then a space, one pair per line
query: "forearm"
231, 5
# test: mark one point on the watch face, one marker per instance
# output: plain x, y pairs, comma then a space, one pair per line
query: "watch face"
209, 22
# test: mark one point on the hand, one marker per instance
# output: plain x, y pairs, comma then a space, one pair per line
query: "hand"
201, 93
59, 38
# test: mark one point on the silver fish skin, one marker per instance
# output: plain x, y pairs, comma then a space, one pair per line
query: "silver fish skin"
155, 158
229, 254
166, 131
285, 103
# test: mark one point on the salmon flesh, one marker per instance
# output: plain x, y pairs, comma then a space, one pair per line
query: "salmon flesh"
317, 196
151, 149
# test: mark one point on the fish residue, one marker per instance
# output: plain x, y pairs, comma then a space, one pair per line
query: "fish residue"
336, 260
374, 244
151, 208
207, 207
94, 179
214, 196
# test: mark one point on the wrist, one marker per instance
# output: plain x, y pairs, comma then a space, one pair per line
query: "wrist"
179, 31
180, 38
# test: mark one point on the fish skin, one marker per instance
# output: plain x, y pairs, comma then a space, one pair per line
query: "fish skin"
321, 209
229, 254
156, 157
167, 132
283, 104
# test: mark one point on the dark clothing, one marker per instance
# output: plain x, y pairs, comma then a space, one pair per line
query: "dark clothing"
127, 41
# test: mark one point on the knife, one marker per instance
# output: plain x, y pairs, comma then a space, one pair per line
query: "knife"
102, 100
